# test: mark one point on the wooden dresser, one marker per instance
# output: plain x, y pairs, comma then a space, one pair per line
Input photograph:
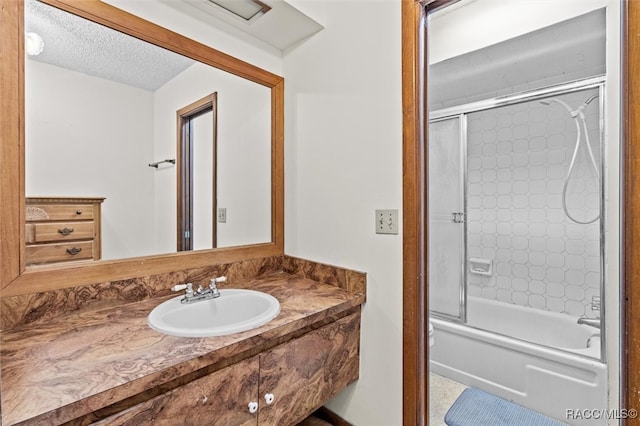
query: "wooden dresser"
62, 229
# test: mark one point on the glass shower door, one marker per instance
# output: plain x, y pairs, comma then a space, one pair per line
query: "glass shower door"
446, 217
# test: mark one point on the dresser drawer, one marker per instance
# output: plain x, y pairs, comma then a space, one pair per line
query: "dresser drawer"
59, 252
45, 212
59, 231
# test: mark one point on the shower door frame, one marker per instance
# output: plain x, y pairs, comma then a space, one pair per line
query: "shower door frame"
461, 112
415, 270
462, 291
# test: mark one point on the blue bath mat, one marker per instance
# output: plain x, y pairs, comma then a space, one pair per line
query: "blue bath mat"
478, 408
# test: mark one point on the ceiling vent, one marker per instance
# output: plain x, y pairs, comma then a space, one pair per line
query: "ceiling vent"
247, 10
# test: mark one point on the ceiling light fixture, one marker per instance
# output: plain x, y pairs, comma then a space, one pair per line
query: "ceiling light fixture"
33, 44
248, 10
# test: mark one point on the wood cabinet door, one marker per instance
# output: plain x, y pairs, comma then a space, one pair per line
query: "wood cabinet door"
221, 398
301, 375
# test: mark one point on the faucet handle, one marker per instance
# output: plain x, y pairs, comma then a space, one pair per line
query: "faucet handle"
180, 287
214, 281
214, 287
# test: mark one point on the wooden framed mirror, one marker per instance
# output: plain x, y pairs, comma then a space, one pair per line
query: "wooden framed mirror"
16, 277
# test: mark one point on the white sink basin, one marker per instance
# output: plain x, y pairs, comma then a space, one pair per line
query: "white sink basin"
234, 311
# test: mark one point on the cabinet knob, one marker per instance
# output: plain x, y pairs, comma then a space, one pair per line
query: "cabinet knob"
268, 398
79, 211
253, 407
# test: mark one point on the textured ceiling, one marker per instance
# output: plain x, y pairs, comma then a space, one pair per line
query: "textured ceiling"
80, 45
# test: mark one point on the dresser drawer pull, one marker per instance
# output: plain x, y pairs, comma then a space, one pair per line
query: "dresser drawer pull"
74, 251
79, 211
65, 231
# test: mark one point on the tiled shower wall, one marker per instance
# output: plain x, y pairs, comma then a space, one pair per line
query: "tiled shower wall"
517, 160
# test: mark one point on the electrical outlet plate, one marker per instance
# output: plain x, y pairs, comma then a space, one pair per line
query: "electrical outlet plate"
222, 215
387, 221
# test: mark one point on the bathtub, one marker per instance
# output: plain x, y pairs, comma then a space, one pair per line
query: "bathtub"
535, 375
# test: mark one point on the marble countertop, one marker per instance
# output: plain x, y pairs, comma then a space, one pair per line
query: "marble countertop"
81, 362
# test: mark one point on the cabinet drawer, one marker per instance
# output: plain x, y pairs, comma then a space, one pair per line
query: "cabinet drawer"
59, 252
44, 212
59, 231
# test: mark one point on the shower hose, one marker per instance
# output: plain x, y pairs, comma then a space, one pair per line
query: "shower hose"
581, 123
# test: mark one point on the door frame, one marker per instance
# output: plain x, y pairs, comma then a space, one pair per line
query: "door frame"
415, 229
184, 170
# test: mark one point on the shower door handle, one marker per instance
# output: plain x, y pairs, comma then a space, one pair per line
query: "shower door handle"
457, 217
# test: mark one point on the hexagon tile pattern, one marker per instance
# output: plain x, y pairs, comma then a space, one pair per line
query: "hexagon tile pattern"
517, 161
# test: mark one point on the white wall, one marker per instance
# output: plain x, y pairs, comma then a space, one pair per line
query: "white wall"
343, 161
87, 136
244, 154
94, 140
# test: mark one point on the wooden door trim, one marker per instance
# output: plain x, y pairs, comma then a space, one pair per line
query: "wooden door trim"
630, 292
415, 359
184, 115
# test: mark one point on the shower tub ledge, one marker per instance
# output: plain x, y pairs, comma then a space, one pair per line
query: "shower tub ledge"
534, 375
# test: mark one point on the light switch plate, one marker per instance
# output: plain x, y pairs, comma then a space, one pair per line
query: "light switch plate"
222, 215
387, 221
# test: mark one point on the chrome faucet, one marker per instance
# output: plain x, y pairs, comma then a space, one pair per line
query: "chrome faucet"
191, 295
592, 322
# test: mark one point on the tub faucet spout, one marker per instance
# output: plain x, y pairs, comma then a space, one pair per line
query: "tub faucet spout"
592, 322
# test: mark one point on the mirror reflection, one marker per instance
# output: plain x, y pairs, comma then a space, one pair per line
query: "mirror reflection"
102, 106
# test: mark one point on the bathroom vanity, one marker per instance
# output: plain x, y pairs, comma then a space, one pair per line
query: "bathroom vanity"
276, 387
107, 366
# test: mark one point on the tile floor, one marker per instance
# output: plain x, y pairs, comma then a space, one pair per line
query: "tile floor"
442, 394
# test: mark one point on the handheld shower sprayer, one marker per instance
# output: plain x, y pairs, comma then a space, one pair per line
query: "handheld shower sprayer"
580, 111
581, 123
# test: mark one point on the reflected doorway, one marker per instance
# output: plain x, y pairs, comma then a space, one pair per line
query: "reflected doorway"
197, 152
